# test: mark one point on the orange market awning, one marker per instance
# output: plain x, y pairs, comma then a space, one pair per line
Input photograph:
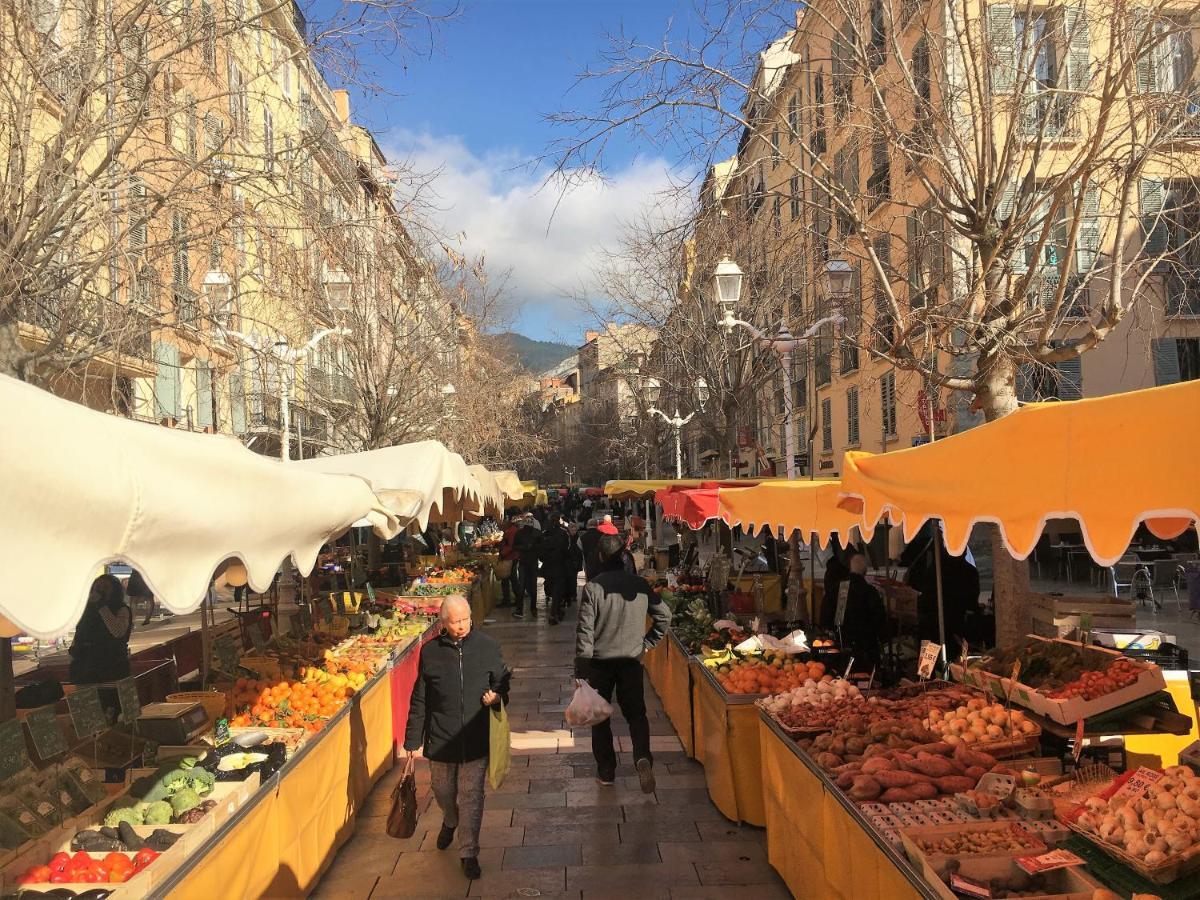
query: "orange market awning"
810, 507
1110, 463
692, 506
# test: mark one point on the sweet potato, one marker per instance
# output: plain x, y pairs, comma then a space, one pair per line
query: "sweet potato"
865, 788
969, 757
923, 791
845, 780
877, 764
954, 784
896, 778
937, 748
848, 767
975, 772
935, 766
828, 761
898, 795
875, 750
903, 759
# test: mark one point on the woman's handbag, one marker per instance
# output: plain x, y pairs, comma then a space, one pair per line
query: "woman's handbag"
503, 568
402, 820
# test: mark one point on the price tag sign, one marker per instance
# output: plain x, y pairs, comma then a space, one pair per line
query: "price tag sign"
965, 886
843, 599
928, 659
221, 732
965, 652
370, 593
13, 755
150, 754
1055, 859
48, 739
1137, 784
87, 713
849, 666
127, 697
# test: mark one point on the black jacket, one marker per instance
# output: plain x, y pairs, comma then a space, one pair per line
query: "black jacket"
865, 622
587, 543
612, 617
446, 713
554, 550
526, 544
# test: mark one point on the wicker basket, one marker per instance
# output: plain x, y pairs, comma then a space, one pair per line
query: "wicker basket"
212, 701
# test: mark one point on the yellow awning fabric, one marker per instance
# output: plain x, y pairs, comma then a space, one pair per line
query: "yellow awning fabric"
646, 489
510, 483
1110, 463
810, 507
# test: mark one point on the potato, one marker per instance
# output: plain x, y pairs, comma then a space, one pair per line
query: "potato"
865, 788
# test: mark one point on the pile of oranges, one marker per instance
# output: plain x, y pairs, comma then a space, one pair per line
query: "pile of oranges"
286, 704
771, 673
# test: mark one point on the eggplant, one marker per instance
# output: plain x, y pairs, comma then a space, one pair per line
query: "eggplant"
93, 894
130, 838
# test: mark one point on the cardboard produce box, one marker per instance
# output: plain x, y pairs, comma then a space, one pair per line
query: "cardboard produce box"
1067, 711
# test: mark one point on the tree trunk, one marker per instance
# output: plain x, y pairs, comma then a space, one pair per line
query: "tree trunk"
997, 396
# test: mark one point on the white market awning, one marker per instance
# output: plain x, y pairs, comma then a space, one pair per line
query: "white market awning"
421, 482
80, 488
492, 493
510, 483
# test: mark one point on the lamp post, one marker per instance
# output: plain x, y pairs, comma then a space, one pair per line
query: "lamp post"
727, 288
653, 389
449, 393
288, 359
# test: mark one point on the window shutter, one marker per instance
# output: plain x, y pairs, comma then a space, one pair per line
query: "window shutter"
1001, 39
137, 216
237, 400
268, 139
191, 127
1070, 379
852, 416
204, 395
167, 386
1166, 360
1143, 37
1089, 230
826, 424
1152, 198
1078, 42
913, 253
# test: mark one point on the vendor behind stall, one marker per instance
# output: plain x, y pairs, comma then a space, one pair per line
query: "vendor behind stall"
100, 651
863, 625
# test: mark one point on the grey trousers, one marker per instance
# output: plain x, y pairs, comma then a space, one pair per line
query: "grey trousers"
458, 788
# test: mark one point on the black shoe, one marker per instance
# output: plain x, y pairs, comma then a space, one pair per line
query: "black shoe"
470, 866
554, 621
518, 615
445, 836
607, 780
645, 774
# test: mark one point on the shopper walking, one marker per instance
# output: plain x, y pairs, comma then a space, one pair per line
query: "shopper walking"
587, 543
461, 675
554, 551
510, 585
526, 543
609, 641
576, 564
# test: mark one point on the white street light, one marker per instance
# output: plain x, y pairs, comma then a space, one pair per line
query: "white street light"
701, 393
653, 390
289, 357
838, 276
727, 286
677, 423
218, 287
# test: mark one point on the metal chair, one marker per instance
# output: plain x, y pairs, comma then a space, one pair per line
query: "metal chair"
1135, 577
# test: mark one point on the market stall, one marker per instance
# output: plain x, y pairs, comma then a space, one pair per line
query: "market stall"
244, 789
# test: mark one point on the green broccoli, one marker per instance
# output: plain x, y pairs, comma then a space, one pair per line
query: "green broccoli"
183, 800
158, 813
130, 814
201, 781
168, 779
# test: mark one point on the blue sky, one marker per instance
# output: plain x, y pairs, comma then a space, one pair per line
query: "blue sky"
475, 111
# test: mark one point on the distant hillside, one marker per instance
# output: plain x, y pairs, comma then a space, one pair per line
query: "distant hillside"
534, 356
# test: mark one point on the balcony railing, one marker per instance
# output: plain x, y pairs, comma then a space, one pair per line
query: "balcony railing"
107, 325
318, 383
1055, 110
187, 306
1183, 117
262, 411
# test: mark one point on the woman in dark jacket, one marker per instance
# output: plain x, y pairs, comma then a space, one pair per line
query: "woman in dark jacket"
461, 675
100, 651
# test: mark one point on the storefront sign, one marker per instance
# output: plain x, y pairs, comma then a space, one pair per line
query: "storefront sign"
825, 464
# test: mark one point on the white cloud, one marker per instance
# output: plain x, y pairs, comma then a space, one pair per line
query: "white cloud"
551, 241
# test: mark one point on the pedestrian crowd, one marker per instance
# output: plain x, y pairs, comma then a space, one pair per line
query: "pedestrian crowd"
462, 674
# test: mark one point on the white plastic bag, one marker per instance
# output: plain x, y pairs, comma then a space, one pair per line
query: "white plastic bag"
587, 707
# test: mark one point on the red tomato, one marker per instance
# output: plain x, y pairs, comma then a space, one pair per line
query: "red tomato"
113, 860
60, 878
60, 861
41, 874
144, 857
119, 876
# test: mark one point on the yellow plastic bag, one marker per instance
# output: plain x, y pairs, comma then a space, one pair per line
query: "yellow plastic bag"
499, 752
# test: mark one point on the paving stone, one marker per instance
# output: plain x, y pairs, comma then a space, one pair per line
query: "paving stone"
579, 815
606, 854
705, 851
636, 877
539, 800
724, 830
653, 832
543, 857
497, 881
736, 872
489, 839
586, 834
691, 812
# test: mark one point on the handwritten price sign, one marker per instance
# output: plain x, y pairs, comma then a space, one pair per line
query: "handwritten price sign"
1137, 784
927, 659
1055, 859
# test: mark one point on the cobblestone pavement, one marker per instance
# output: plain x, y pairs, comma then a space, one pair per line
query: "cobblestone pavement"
551, 830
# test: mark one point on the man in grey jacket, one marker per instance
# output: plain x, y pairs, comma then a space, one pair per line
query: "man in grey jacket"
609, 641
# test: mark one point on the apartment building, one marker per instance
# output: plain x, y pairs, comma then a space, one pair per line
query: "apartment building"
246, 214
830, 189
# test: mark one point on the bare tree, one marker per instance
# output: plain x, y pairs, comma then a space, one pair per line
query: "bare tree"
995, 173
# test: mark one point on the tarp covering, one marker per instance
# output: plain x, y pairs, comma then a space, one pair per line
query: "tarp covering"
646, 489
510, 484
80, 488
811, 507
692, 506
423, 481
491, 495
1110, 463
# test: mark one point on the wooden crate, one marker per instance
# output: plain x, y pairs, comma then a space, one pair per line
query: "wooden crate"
1057, 616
